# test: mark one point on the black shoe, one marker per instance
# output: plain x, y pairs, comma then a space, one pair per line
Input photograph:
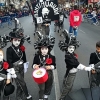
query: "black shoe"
34, 33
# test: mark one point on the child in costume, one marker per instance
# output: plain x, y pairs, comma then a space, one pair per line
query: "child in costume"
44, 59
72, 64
5, 76
94, 59
16, 58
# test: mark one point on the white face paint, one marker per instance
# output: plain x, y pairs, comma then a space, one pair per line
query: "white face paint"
16, 42
44, 51
1, 56
71, 49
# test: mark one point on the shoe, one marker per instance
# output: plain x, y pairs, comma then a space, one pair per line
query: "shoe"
34, 33
29, 98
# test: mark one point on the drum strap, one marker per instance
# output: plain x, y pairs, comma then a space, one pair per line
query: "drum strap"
43, 61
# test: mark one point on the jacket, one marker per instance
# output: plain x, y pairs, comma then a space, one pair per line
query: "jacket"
13, 57
75, 18
38, 59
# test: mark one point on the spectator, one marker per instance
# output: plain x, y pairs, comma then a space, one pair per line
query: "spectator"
75, 20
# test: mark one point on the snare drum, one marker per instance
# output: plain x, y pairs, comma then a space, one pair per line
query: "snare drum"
40, 75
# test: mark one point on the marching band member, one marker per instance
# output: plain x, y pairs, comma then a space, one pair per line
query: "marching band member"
5, 76
95, 73
46, 60
16, 58
72, 64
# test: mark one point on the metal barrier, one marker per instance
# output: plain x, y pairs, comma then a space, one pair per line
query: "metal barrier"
5, 19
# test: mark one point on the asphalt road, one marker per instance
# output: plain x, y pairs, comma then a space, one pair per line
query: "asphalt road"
88, 35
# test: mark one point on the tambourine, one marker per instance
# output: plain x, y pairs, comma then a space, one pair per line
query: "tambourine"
40, 75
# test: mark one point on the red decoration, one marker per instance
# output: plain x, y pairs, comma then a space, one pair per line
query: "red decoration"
76, 55
48, 61
5, 65
43, 75
22, 48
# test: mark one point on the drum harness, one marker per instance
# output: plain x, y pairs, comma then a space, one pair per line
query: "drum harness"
43, 62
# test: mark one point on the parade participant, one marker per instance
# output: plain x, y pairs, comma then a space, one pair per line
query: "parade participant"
5, 76
94, 59
72, 64
46, 21
75, 20
59, 23
16, 58
44, 59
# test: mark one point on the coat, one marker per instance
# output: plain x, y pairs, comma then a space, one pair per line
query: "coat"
75, 18
13, 57
37, 60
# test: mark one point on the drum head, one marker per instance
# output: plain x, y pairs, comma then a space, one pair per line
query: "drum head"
38, 73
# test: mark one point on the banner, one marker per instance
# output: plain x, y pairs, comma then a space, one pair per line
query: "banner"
45, 9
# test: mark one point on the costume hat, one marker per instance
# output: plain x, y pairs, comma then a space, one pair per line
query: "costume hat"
70, 40
17, 33
45, 41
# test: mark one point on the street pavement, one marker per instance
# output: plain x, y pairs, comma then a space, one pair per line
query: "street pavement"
88, 35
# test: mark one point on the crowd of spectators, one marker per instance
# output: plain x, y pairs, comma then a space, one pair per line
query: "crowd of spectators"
17, 12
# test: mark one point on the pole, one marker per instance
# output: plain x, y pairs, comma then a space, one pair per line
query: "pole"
79, 3
30, 9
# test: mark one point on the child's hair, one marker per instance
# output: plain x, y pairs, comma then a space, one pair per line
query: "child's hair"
98, 44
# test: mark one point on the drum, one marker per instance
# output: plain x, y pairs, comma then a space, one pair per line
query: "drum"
40, 75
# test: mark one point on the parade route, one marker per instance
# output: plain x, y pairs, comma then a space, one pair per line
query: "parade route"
88, 35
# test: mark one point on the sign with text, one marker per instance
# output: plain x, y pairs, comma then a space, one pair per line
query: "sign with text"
47, 9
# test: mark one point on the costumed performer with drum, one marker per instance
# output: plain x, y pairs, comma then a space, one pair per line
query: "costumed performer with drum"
44, 59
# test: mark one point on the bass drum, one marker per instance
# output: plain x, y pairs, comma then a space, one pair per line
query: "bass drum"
40, 75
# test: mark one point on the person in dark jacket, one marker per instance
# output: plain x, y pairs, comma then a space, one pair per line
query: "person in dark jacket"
94, 59
16, 58
46, 60
72, 64
59, 23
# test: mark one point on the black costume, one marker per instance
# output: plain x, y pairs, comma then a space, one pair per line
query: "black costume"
3, 74
72, 63
60, 22
95, 78
39, 59
16, 58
